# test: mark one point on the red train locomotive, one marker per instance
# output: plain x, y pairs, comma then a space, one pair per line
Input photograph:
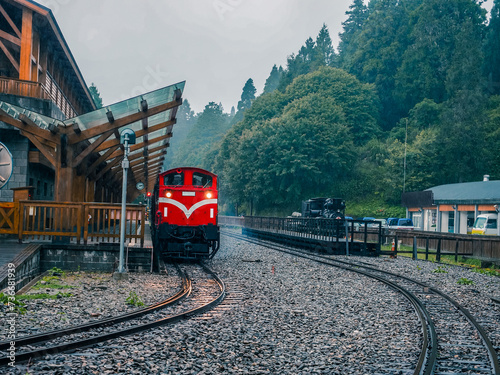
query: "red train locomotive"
184, 214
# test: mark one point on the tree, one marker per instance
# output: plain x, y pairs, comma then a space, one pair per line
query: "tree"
492, 129
444, 54
324, 54
210, 126
299, 143
186, 118
311, 56
357, 15
492, 50
247, 96
273, 80
358, 101
96, 96
374, 54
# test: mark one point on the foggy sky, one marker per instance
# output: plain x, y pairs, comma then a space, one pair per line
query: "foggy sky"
129, 47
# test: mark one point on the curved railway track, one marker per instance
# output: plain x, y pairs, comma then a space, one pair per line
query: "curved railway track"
35, 345
452, 340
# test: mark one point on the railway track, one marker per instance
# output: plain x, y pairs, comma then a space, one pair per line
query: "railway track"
452, 340
209, 292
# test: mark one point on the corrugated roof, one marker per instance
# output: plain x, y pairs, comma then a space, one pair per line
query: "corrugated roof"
479, 192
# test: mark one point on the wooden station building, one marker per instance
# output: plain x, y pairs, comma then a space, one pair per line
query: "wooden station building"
63, 147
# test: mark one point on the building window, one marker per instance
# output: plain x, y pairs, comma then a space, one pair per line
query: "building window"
45, 189
451, 222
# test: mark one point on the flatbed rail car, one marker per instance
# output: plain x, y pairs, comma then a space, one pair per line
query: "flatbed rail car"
184, 214
326, 235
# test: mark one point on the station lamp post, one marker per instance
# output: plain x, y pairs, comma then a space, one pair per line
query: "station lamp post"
127, 138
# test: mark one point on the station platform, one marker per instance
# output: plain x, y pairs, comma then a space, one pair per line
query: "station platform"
9, 249
32, 257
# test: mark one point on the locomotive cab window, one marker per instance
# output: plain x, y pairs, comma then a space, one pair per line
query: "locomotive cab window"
202, 179
174, 178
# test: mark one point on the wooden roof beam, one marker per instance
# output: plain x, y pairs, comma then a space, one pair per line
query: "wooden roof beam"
118, 123
102, 159
151, 142
138, 134
11, 23
141, 168
26, 124
92, 147
107, 168
151, 157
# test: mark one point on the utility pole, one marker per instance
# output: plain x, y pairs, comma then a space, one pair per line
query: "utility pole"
404, 164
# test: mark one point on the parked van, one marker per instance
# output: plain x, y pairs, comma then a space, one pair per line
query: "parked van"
399, 223
486, 224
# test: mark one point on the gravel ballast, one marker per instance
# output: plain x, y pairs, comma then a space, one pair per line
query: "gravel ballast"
283, 315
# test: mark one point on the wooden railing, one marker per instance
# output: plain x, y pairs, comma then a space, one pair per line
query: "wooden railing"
90, 222
22, 88
449, 243
49, 91
9, 218
103, 222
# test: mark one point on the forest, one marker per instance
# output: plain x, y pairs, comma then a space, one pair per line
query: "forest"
409, 99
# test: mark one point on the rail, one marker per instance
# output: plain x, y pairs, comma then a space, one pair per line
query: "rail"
75, 222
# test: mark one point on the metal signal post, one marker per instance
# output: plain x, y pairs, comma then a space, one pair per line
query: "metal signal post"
127, 138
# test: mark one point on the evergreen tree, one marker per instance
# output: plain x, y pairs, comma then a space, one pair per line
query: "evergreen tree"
247, 96
492, 50
324, 54
444, 53
96, 96
379, 47
273, 80
299, 64
357, 15
186, 118
210, 126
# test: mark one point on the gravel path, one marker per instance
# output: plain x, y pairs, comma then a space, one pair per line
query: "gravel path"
284, 316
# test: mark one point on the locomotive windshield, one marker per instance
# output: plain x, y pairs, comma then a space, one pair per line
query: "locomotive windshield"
202, 179
174, 178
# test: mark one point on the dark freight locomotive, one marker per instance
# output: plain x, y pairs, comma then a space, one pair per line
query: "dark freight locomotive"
184, 214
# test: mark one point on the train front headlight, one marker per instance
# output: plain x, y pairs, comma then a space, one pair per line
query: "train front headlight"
208, 194
168, 194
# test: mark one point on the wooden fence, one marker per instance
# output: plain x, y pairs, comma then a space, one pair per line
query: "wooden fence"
9, 218
76, 222
449, 243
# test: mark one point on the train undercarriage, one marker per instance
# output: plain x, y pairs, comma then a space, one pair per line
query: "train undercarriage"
186, 242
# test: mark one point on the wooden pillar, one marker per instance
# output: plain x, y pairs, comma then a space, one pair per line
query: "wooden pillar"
26, 45
65, 174
90, 191
78, 194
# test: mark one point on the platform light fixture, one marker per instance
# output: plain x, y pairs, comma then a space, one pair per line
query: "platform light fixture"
127, 138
